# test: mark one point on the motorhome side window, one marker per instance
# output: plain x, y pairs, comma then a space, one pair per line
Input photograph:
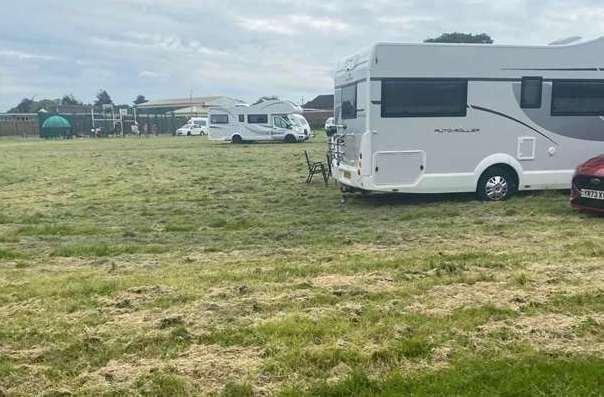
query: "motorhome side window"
219, 119
257, 119
242, 118
531, 92
578, 98
424, 98
349, 102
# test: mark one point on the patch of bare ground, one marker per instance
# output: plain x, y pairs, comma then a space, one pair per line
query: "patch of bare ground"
548, 332
209, 368
543, 281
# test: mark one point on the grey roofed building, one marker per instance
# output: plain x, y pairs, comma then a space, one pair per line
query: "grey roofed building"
318, 110
321, 102
199, 104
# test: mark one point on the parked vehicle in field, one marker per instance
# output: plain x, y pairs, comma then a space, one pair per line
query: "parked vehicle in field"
195, 126
266, 120
430, 118
588, 185
301, 122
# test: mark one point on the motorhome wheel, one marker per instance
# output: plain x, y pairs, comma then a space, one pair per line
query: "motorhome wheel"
236, 139
497, 184
290, 139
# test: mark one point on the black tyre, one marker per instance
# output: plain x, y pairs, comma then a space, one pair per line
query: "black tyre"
497, 184
290, 139
236, 139
189, 133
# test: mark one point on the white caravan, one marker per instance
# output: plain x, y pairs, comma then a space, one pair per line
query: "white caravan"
267, 120
437, 118
195, 126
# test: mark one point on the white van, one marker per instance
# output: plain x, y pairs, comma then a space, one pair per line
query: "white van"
266, 120
195, 126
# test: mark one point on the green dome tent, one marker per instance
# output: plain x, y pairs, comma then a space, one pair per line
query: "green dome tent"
56, 127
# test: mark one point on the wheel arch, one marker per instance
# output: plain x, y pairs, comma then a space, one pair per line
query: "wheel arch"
499, 160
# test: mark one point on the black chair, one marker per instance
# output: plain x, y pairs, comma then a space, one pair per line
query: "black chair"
315, 168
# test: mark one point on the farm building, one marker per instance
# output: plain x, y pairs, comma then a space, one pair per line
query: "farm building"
186, 107
318, 110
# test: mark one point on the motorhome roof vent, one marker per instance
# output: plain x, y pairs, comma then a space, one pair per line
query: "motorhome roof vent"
567, 40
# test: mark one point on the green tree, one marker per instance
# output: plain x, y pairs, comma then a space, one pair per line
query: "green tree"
103, 98
25, 106
70, 100
140, 99
456, 37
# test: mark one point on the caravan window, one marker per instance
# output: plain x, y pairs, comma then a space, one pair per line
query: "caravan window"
424, 98
219, 119
578, 98
349, 102
532, 88
257, 118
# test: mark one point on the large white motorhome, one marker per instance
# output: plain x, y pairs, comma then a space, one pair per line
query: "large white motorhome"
437, 118
266, 120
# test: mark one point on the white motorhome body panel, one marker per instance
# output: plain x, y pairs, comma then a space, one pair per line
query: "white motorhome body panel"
402, 168
542, 149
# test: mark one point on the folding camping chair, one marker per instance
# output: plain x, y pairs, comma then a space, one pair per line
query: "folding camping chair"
315, 168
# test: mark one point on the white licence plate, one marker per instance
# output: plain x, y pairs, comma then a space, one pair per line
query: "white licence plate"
592, 194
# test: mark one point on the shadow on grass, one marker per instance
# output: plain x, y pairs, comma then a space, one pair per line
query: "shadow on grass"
380, 199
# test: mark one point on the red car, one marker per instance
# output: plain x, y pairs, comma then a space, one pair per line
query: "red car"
588, 186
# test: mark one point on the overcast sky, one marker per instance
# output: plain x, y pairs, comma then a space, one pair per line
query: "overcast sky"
240, 48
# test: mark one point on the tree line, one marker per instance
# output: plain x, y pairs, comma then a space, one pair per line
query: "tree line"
31, 105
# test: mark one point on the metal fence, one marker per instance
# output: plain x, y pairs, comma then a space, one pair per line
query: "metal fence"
93, 125
24, 125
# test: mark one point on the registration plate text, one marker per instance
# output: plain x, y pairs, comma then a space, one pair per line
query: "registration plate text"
592, 194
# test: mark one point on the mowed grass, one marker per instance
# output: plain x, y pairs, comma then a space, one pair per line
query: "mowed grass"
184, 267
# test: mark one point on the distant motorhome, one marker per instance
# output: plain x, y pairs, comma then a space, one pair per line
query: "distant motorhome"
267, 120
437, 118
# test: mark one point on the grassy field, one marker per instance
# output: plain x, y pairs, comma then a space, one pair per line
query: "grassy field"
183, 267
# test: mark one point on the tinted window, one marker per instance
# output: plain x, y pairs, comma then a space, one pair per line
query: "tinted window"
532, 87
424, 98
219, 119
578, 98
257, 118
242, 118
349, 102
